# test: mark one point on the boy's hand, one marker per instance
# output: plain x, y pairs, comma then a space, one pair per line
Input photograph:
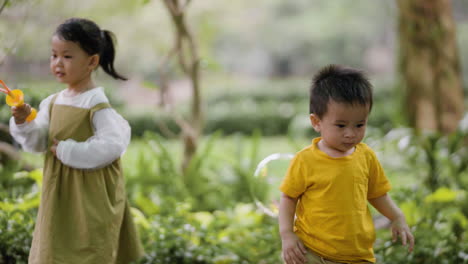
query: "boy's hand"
401, 229
293, 251
53, 148
20, 113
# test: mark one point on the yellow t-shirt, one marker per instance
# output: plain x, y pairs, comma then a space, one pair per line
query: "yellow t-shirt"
332, 216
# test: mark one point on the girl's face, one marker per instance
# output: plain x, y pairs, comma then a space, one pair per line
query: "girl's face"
342, 127
70, 64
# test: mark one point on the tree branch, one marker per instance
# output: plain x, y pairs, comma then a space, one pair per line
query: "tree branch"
172, 6
4, 128
5, 2
185, 5
9, 153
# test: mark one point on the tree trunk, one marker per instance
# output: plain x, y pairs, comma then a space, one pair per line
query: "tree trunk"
189, 61
429, 65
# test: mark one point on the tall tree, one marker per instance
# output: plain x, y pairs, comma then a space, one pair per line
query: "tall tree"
186, 51
429, 64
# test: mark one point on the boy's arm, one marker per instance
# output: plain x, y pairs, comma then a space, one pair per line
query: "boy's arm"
385, 205
293, 251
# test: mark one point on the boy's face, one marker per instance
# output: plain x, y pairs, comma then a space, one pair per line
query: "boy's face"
342, 127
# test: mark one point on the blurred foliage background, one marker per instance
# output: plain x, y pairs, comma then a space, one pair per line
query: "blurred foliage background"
256, 64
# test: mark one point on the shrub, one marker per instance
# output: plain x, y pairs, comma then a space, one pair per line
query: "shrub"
233, 236
16, 229
210, 183
439, 227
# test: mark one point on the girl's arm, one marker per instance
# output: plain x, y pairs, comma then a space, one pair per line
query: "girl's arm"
293, 251
111, 138
32, 136
385, 205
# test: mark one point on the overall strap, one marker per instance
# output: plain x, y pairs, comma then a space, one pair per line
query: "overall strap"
51, 104
97, 108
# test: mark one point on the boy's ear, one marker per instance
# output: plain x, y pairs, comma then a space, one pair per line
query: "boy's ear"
94, 62
315, 121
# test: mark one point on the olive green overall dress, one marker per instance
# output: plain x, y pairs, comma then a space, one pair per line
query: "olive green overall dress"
84, 216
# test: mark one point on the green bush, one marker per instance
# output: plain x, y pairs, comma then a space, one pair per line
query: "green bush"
272, 110
16, 229
239, 235
211, 182
239, 122
270, 107
142, 123
438, 225
17, 214
433, 159
230, 119
208, 216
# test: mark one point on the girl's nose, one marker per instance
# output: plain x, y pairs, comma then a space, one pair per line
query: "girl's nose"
57, 61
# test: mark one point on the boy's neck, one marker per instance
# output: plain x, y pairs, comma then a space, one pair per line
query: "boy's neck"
334, 153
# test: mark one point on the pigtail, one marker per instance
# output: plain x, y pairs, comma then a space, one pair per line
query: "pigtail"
92, 40
107, 55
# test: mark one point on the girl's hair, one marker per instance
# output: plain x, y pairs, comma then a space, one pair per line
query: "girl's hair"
340, 84
92, 40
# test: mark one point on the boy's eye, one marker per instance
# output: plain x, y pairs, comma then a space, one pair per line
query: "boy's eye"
68, 57
340, 126
360, 125
53, 56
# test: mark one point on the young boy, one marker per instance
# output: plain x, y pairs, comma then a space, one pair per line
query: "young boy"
329, 183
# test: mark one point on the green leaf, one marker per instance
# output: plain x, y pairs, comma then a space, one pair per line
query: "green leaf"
442, 195
140, 218
411, 211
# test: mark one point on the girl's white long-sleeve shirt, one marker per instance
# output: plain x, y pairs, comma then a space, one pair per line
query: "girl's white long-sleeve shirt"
111, 132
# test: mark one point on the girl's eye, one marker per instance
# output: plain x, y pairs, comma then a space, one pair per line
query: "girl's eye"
360, 125
68, 57
53, 56
340, 126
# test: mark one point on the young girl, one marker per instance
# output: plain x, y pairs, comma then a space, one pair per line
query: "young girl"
84, 215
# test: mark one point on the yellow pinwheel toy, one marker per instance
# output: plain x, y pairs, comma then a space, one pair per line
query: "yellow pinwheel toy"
16, 98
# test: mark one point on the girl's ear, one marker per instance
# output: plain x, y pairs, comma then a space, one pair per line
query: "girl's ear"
315, 121
94, 62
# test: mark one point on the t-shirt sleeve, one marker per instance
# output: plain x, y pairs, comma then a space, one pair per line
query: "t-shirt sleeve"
294, 183
378, 182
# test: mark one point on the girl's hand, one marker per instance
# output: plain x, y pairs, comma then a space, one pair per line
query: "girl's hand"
293, 251
53, 148
20, 113
401, 229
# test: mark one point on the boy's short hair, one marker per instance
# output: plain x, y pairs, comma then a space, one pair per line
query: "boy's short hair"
340, 84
